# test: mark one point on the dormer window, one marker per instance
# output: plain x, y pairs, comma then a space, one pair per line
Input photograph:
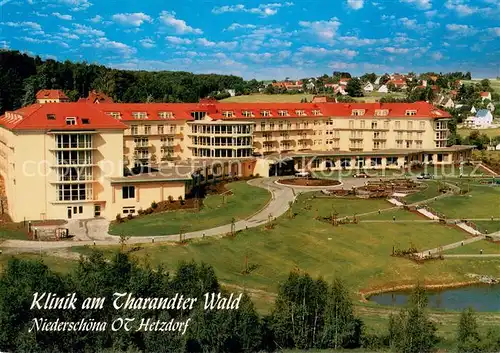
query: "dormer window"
247, 113
228, 114
411, 112
283, 112
139, 115
300, 113
316, 112
85, 121
381, 112
51, 117
358, 112
115, 115
70, 121
165, 115
265, 113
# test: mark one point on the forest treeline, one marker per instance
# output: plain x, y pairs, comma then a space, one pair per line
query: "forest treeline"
307, 313
22, 75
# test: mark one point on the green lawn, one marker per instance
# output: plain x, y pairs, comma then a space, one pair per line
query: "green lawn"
474, 248
13, 231
495, 84
489, 132
431, 190
481, 202
359, 253
489, 226
57, 264
401, 215
245, 201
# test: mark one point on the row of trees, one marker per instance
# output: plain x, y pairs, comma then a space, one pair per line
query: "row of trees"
21, 76
307, 313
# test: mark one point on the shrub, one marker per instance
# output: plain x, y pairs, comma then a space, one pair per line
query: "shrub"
130, 216
119, 218
170, 198
257, 175
140, 212
154, 205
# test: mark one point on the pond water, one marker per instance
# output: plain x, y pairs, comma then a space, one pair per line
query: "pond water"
484, 298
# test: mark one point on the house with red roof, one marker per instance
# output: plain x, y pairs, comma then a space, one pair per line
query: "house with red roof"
96, 98
51, 96
485, 96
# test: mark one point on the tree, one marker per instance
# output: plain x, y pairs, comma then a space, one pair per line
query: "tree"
354, 88
411, 331
468, 339
369, 77
341, 328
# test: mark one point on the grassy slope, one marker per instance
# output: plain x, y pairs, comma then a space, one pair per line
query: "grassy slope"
296, 98
245, 201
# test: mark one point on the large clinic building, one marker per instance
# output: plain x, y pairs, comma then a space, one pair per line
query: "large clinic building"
65, 160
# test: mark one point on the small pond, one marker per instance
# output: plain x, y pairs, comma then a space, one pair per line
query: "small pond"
484, 298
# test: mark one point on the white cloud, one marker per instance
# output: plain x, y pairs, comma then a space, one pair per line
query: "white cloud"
461, 30
421, 4
387, 17
4, 44
96, 19
147, 43
263, 10
276, 43
131, 19
69, 35
356, 4
178, 40
284, 54
87, 30
209, 44
494, 31
180, 26
461, 7
431, 13
77, 5
40, 14
358, 42
322, 52
236, 26
105, 43
322, 30
62, 17
393, 50
339, 65
28, 24
437, 56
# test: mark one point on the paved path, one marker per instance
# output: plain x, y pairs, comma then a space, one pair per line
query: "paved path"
95, 231
451, 246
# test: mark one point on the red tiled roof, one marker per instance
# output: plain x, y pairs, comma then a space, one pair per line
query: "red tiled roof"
36, 116
485, 94
51, 94
96, 97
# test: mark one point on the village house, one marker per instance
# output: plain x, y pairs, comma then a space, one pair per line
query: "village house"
383, 89
368, 87
485, 96
482, 119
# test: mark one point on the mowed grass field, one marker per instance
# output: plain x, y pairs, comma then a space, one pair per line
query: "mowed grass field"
488, 132
359, 253
481, 202
217, 210
495, 84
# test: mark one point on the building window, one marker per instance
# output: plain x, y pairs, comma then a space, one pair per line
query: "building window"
316, 112
300, 113
115, 115
160, 129
265, 113
351, 124
411, 112
362, 124
165, 115
128, 192
358, 112
397, 125
410, 125
128, 210
386, 125
70, 121
247, 113
228, 114
422, 125
147, 129
283, 112
381, 112
139, 115
134, 129
374, 124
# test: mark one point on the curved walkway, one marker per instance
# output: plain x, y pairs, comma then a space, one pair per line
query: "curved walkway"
282, 195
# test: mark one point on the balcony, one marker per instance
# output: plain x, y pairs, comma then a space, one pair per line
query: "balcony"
74, 162
142, 145
73, 147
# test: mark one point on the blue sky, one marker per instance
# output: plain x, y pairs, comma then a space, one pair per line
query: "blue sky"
261, 39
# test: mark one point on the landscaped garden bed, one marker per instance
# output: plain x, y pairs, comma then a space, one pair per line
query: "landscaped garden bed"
309, 182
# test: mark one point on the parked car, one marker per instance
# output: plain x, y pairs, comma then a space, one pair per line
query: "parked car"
303, 174
361, 175
424, 176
